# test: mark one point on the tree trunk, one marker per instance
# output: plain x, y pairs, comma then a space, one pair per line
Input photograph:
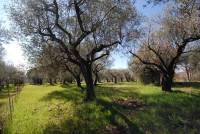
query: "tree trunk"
166, 83
50, 81
96, 79
115, 79
87, 74
127, 79
7, 83
187, 73
107, 79
40, 81
55, 81
1, 85
78, 82
121, 79
99, 79
64, 81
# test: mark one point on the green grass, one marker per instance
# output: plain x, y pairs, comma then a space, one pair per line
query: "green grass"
60, 110
4, 103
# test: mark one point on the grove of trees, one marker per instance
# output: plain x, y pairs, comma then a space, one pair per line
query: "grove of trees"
71, 41
8, 73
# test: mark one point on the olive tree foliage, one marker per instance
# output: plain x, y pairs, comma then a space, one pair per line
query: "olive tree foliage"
4, 38
179, 31
98, 68
156, 2
48, 65
128, 75
54, 62
95, 25
4, 35
1, 52
117, 75
8, 73
14, 75
35, 76
144, 73
2, 74
66, 77
2, 66
190, 64
194, 65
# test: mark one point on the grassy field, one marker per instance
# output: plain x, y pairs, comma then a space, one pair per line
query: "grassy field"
129, 108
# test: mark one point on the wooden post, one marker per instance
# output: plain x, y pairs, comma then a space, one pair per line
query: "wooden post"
10, 105
12, 101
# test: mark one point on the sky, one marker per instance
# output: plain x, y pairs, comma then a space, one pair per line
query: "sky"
121, 60
14, 53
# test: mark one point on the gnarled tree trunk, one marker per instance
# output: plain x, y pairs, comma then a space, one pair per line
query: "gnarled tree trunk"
107, 80
166, 82
96, 78
51, 81
87, 73
78, 82
115, 79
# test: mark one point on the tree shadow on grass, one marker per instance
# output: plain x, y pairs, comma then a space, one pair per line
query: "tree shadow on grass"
72, 93
115, 112
87, 118
176, 112
188, 93
2, 104
93, 118
195, 85
72, 85
69, 94
171, 112
116, 92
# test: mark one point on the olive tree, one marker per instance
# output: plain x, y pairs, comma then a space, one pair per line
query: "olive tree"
53, 61
98, 68
99, 26
35, 76
190, 64
145, 73
179, 30
2, 63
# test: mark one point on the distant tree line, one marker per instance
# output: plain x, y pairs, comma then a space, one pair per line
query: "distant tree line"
9, 74
38, 76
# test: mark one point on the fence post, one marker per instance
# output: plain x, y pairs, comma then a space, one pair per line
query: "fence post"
10, 105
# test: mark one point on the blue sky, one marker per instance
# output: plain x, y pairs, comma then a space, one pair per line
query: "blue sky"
14, 54
120, 60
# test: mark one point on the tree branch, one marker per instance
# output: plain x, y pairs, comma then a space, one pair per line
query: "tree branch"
101, 56
148, 63
78, 14
158, 55
101, 47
